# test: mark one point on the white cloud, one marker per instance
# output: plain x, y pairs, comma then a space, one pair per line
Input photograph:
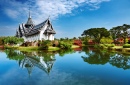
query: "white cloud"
42, 9
12, 13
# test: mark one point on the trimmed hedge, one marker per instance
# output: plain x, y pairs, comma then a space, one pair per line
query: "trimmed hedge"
126, 46
106, 45
110, 45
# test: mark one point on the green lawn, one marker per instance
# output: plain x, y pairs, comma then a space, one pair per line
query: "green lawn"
32, 48
75, 46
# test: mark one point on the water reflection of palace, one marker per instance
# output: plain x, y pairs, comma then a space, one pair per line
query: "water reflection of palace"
30, 62
40, 59
42, 62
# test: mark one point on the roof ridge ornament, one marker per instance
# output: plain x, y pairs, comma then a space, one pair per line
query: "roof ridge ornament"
29, 13
29, 10
48, 17
29, 21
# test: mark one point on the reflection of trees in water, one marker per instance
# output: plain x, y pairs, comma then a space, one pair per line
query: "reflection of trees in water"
97, 57
63, 52
102, 57
14, 54
120, 61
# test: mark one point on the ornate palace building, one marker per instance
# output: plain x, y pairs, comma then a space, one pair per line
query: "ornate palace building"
31, 32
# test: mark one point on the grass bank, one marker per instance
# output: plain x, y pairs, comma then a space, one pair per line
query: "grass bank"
122, 49
35, 48
125, 49
30, 48
53, 48
75, 46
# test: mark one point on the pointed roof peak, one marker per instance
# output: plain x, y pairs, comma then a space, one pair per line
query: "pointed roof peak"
49, 17
29, 10
30, 21
29, 14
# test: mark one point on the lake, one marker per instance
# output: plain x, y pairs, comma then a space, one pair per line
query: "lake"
64, 67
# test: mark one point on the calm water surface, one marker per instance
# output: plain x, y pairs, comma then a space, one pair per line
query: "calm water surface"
97, 67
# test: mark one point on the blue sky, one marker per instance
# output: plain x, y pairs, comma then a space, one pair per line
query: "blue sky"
69, 17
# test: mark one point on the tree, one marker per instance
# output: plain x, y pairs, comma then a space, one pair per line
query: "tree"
114, 32
107, 40
85, 40
74, 38
120, 32
96, 33
125, 32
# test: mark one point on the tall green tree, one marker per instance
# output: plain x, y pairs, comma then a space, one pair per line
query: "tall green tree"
114, 32
125, 32
120, 32
96, 33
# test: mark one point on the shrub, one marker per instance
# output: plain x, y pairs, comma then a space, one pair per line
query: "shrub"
102, 46
13, 40
128, 41
45, 44
1, 40
55, 43
77, 42
109, 48
26, 44
126, 46
43, 47
97, 46
110, 45
106, 40
64, 45
107, 45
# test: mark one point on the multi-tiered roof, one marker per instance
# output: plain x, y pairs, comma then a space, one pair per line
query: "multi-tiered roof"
30, 28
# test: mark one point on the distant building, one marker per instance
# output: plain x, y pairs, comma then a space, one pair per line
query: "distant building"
31, 32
